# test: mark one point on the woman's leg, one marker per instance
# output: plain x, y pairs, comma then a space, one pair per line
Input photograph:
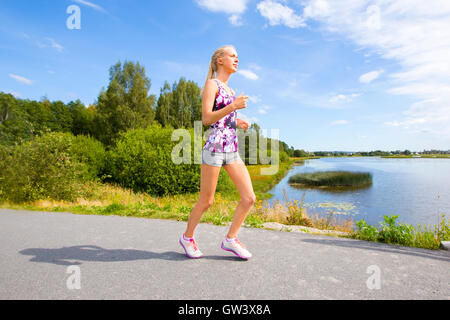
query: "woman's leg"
208, 182
241, 178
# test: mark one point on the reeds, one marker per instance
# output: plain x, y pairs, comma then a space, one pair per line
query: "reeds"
333, 179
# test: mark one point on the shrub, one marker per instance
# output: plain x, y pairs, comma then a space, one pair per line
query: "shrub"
142, 161
42, 168
366, 232
6, 153
91, 152
404, 234
392, 233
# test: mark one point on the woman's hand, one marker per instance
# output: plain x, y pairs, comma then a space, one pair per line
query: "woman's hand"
242, 124
240, 102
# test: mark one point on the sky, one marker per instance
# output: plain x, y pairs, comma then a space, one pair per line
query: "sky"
348, 75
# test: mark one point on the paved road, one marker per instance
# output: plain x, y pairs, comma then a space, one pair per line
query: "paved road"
137, 258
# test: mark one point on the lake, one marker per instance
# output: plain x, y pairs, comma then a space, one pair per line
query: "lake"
418, 190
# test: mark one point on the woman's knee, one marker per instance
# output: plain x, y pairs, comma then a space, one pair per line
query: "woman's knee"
249, 200
206, 203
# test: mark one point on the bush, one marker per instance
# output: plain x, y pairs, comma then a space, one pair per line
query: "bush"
366, 232
6, 153
142, 161
404, 234
91, 152
392, 233
42, 168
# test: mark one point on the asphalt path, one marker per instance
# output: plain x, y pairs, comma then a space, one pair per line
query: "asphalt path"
60, 255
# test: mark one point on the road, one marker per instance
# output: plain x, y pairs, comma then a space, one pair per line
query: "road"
60, 255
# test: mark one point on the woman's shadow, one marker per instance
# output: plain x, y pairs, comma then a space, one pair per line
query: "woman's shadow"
73, 255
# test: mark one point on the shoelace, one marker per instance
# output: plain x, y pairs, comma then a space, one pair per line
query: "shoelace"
239, 243
194, 244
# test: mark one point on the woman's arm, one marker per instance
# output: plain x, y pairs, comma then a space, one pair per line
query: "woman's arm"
209, 95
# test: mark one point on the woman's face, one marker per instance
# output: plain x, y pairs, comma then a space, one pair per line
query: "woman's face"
229, 61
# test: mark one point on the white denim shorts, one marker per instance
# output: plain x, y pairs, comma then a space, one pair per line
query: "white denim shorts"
219, 159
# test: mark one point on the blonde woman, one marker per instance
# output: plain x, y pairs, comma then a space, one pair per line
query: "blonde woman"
219, 110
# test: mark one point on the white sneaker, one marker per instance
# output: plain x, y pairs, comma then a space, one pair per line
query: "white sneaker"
236, 247
191, 248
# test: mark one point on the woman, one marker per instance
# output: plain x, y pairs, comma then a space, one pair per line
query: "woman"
219, 109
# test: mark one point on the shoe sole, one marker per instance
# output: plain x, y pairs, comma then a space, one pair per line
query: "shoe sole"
187, 253
231, 250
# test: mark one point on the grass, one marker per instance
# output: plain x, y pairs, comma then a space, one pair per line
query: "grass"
420, 236
332, 179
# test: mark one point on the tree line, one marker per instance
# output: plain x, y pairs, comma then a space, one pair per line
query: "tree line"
124, 105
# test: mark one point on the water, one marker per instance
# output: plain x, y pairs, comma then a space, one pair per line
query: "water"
418, 190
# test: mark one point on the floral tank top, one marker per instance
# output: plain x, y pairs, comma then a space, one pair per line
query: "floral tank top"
222, 135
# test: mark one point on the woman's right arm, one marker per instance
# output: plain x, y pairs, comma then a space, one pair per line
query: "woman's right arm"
209, 95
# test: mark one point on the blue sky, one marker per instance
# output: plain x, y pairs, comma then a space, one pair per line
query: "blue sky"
354, 75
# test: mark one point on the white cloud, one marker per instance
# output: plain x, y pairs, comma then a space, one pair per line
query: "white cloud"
339, 122
14, 93
50, 43
234, 8
92, 5
279, 14
315, 9
415, 34
235, 20
54, 44
254, 66
254, 99
343, 98
21, 79
370, 76
248, 74
431, 111
263, 109
243, 116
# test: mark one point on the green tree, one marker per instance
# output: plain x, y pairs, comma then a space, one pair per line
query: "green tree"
300, 153
82, 118
13, 120
125, 104
179, 105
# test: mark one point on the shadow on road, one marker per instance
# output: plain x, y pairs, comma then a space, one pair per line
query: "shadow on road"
73, 255
389, 248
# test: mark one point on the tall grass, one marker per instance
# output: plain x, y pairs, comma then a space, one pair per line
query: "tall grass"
333, 179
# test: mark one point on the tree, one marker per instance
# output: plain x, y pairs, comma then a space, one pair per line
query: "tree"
179, 105
13, 120
164, 113
300, 153
126, 103
82, 118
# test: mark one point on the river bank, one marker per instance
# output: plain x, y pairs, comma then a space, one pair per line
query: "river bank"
290, 216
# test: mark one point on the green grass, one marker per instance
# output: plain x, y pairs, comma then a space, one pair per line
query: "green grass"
332, 179
419, 236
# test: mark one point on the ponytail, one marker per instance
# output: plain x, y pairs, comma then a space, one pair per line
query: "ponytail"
213, 67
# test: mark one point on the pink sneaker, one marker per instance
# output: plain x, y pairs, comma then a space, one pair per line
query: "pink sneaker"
191, 248
237, 248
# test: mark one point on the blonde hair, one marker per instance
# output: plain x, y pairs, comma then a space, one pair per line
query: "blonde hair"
213, 66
